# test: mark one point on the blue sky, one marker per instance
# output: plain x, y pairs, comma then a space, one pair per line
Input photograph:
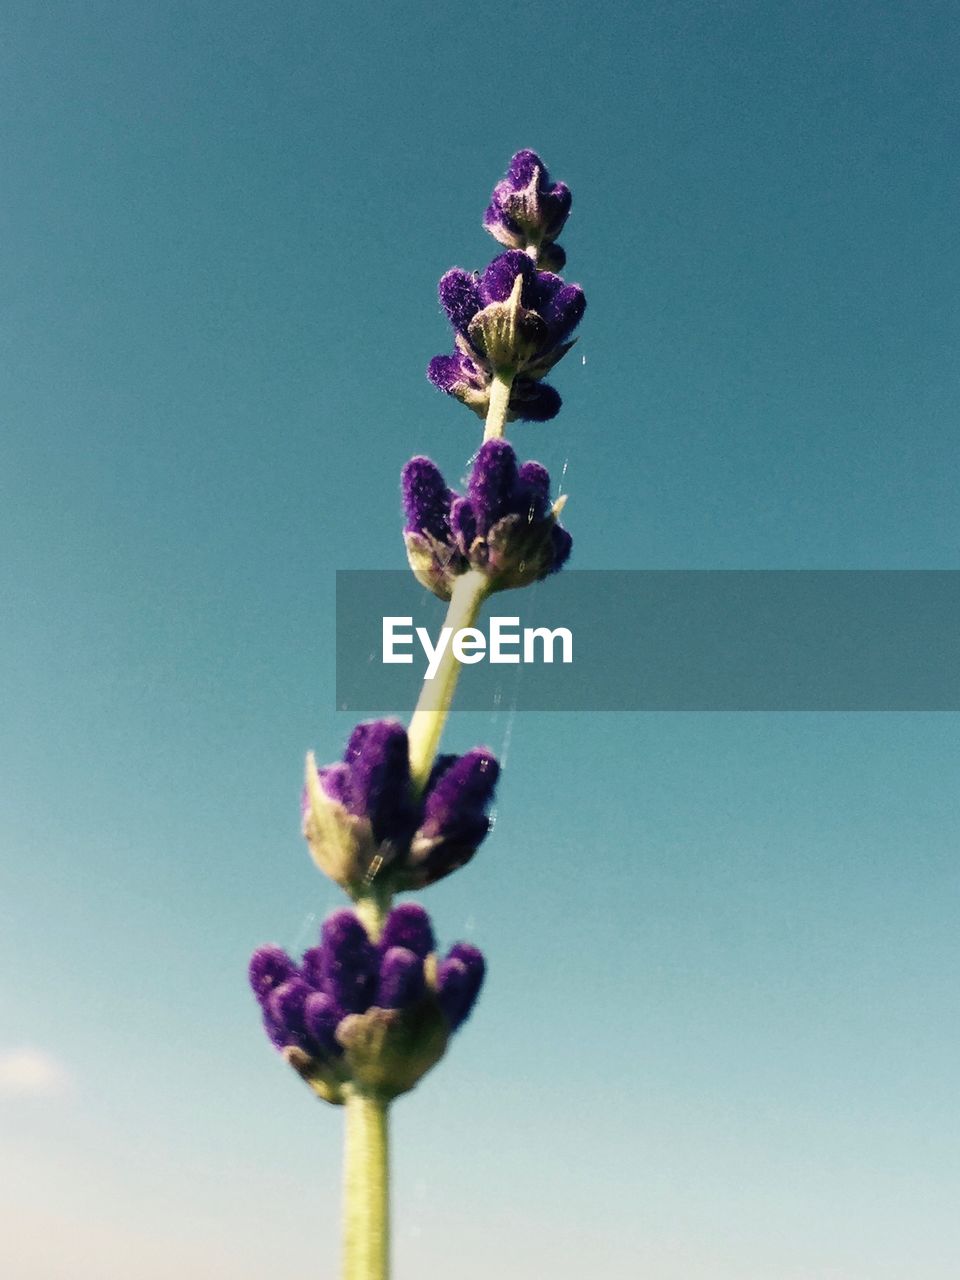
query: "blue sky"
719, 1037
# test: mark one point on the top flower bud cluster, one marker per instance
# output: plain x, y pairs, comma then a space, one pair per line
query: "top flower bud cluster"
513, 321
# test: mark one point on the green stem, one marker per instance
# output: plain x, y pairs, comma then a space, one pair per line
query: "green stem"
374, 907
433, 706
497, 409
366, 1195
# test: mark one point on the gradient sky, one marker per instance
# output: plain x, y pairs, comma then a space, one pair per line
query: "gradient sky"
719, 1039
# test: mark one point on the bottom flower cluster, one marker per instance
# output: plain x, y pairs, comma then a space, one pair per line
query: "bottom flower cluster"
354, 1012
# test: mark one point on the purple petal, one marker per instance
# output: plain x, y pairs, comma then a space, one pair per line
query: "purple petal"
335, 781
496, 283
321, 1018
447, 854
529, 200
564, 311
523, 169
534, 401
459, 979
534, 482
408, 926
446, 373
541, 292
553, 257
498, 222
426, 498
379, 761
471, 956
401, 981
554, 204
441, 764
459, 297
311, 967
269, 968
284, 1008
276, 1033
463, 523
348, 963
457, 802
526, 209
492, 483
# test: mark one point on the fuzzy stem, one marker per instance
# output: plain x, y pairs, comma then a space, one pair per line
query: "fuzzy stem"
433, 706
497, 410
366, 1188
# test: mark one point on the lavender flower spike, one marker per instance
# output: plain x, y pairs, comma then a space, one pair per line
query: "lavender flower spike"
505, 526
527, 212
364, 823
358, 1014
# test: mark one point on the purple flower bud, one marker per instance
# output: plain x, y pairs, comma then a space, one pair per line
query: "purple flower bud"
457, 801
525, 167
408, 926
461, 377
348, 962
455, 818
459, 297
505, 527
401, 982
534, 481
463, 524
284, 1011
448, 373
373, 780
311, 967
501, 331
276, 1033
375, 1017
459, 979
363, 813
427, 503
552, 257
526, 209
337, 782
533, 401
379, 761
564, 311
269, 967
493, 483
320, 1019
364, 818
426, 498
496, 283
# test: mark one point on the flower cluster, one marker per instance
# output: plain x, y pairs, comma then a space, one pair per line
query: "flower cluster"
513, 321
364, 821
359, 1012
527, 211
505, 527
